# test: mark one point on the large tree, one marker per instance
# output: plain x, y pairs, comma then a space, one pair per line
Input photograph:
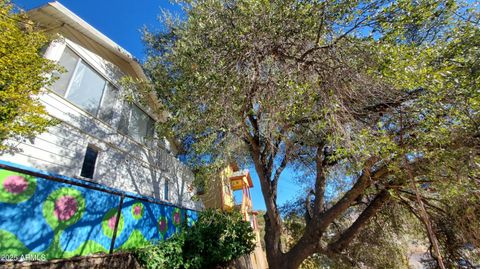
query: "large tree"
377, 98
23, 75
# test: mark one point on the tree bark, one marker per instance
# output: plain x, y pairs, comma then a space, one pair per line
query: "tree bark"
309, 243
273, 225
348, 235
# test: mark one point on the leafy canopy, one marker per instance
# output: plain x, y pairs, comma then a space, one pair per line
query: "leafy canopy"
377, 98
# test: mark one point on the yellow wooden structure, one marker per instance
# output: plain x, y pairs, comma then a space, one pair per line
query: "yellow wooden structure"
219, 194
241, 180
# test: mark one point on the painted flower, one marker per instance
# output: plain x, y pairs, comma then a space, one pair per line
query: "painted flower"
112, 221
109, 221
15, 184
177, 217
16, 187
137, 210
65, 207
163, 225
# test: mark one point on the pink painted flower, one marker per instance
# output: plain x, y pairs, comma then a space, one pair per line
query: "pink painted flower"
65, 207
163, 225
176, 217
112, 221
15, 184
137, 210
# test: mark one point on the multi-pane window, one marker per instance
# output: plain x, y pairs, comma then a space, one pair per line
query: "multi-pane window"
85, 87
136, 123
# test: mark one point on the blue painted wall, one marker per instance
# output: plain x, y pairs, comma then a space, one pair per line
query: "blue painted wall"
40, 216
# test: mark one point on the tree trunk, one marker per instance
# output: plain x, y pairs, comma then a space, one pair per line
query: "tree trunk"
305, 247
272, 241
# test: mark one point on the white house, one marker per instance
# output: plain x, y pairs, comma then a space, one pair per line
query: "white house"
101, 137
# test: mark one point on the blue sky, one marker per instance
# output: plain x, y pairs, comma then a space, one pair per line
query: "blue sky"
122, 21
288, 188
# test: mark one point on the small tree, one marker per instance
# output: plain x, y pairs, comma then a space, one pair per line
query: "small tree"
23, 75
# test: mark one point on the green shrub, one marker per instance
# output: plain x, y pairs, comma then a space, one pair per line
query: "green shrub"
167, 254
216, 239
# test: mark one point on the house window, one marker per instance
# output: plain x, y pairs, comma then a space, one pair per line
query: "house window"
107, 106
166, 191
88, 167
85, 87
68, 61
136, 123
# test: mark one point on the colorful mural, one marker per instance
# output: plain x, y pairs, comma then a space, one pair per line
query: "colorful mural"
39, 216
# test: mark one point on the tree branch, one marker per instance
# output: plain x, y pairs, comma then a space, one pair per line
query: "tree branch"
281, 167
316, 47
348, 235
412, 198
320, 181
363, 182
308, 207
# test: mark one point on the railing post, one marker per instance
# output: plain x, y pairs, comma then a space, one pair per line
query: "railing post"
185, 218
117, 220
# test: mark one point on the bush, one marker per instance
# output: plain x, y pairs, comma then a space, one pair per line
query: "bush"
216, 239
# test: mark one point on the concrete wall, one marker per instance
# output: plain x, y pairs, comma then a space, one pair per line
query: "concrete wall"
45, 216
122, 162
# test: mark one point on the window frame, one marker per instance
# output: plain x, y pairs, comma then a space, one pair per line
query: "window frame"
107, 80
166, 190
84, 167
129, 106
115, 124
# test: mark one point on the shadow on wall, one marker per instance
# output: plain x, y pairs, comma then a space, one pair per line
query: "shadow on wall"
121, 162
59, 220
51, 219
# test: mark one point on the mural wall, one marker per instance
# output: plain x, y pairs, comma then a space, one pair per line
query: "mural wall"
40, 216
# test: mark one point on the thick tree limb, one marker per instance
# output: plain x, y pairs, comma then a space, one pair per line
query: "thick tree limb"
320, 182
308, 207
272, 217
348, 235
363, 182
310, 241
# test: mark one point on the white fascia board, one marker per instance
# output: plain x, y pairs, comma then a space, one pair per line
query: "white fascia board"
79, 24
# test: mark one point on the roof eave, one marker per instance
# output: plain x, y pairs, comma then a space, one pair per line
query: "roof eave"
79, 24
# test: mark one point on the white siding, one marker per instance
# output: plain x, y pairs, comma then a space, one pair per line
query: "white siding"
122, 162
